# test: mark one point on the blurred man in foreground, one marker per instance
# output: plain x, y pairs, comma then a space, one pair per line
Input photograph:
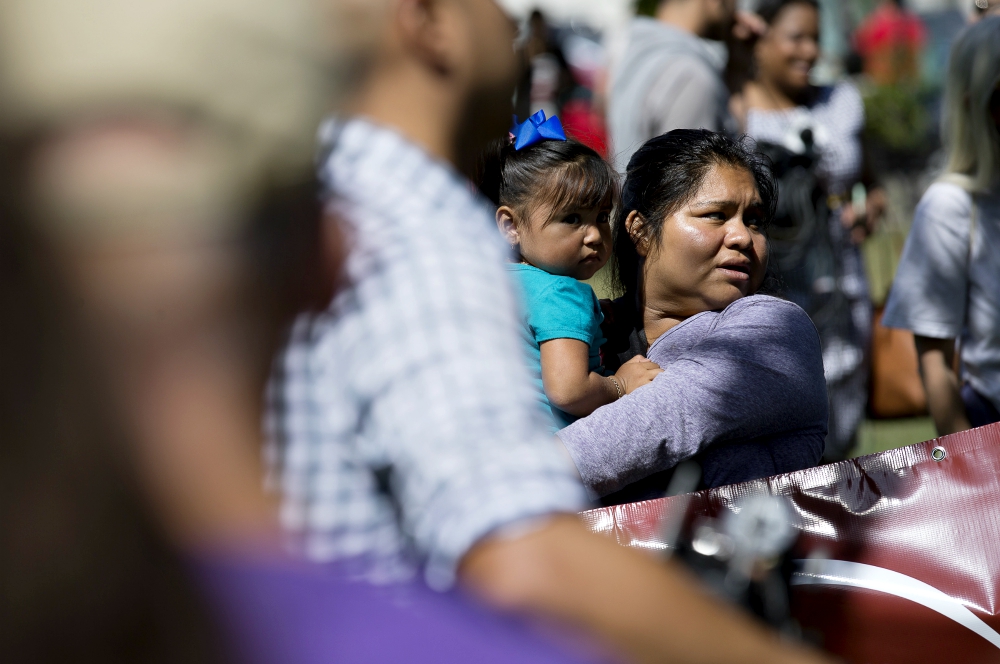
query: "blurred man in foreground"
159, 221
404, 427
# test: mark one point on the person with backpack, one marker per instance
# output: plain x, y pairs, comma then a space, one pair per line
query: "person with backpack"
813, 136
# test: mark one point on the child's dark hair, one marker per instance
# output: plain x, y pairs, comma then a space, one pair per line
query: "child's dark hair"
552, 172
665, 173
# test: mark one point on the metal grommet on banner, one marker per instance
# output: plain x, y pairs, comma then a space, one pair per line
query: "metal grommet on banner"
939, 453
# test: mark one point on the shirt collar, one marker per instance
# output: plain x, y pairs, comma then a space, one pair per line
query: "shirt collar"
359, 156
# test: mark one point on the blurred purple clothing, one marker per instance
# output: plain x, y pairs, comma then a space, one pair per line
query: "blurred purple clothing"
283, 613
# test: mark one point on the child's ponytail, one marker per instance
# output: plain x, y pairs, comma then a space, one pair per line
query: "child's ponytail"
550, 171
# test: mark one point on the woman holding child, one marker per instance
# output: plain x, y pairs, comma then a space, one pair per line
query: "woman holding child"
741, 388
554, 201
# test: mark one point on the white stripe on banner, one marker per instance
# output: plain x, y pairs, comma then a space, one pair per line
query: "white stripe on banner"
858, 575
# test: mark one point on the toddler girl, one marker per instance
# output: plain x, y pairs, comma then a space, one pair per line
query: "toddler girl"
554, 198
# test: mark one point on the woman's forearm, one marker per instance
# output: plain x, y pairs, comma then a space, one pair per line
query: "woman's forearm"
942, 384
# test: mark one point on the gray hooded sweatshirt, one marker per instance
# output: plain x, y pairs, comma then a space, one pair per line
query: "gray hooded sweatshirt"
666, 79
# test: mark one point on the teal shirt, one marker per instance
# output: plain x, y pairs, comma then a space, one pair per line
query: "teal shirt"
554, 307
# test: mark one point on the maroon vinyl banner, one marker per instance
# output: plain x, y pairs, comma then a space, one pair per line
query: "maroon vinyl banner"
899, 554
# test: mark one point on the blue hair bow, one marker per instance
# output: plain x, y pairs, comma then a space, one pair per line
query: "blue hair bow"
535, 130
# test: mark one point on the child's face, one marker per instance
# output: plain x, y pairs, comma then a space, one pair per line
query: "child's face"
569, 242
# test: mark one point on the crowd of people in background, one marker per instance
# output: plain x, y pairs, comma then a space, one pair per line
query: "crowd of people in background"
672, 71
261, 406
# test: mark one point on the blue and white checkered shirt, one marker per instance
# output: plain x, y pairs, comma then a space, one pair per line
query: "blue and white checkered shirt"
401, 421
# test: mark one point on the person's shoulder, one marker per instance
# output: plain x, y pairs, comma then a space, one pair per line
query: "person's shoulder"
754, 310
844, 92
686, 84
571, 289
642, 25
761, 302
530, 279
843, 100
521, 271
697, 70
658, 32
547, 285
649, 36
685, 68
944, 203
948, 195
538, 277
776, 325
384, 174
557, 306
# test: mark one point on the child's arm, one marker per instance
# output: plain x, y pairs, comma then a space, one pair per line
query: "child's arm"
573, 388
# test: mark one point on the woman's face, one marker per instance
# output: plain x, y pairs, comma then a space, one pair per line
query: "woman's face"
712, 250
787, 52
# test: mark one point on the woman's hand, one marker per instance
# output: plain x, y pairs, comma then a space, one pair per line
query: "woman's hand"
875, 205
748, 25
637, 372
862, 227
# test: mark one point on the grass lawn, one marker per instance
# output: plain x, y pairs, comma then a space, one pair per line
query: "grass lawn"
881, 435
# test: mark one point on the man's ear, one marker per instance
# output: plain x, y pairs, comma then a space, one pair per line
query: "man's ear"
635, 225
423, 30
507, 226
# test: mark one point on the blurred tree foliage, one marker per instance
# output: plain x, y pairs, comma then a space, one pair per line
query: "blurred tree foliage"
646, 7
896, 118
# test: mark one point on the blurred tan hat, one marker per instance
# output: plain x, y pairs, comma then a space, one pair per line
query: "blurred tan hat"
260, 66
259, 73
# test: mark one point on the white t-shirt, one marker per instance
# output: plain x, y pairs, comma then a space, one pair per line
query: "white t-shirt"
948, 287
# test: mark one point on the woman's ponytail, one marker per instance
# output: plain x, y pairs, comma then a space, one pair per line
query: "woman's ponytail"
489, 169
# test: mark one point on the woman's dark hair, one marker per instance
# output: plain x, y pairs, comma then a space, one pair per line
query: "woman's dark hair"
769, 9
664, 174
553, 172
